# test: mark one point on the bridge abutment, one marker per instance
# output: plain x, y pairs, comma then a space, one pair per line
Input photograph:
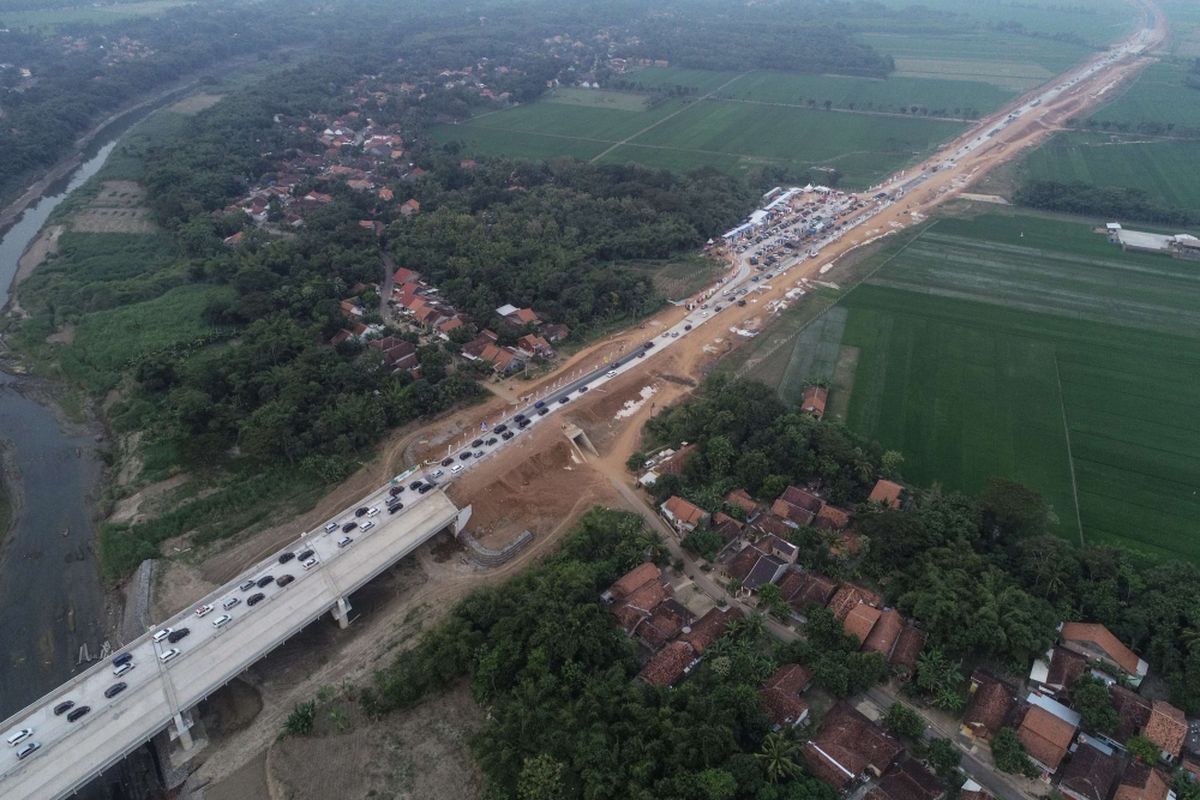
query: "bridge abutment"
341, 612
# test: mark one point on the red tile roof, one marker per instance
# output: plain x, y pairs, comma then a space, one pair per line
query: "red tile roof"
887, 493
800, 516
634, 579
908, 780
908, 647
886, 633
1167, 727
831, 518
1141, 782
683, 511
989, 705
847, 597
813, 401
739, 498
790, 678
1045, 736
847, 745
1096, 636
815, 590
712, 626
802, 498
667, 665
783, 709
860, 620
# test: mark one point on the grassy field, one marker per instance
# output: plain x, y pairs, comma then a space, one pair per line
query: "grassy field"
598, 98
1097, 21
725, 134
1158, 94
678, 278
1163, 168
46, 18
1018, 346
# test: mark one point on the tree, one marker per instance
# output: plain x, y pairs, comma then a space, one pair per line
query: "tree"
777, 758
1089, 696
891, 462
1143, 749
541, 779
944, 758
940, 679
1013, 511
904, 722
300, 721
1010, 756
770, 597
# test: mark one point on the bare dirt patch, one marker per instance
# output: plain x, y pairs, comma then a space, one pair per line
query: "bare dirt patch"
196, 103
421, 753
138, 506
65, 335
119, 207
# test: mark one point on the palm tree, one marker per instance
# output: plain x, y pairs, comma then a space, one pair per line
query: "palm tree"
776, 758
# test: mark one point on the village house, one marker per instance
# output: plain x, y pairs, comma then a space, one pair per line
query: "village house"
725, 526
1046, 731
886, 493
908, 648
831, 518
409, 207
739, 498
884, 636
1097, 643
1054, 673
1143, 782
753, 568
813, 401
812, 589
859, 621
397, 353
1091, 770
683, 516
668, 665
848, 596
781, 696
712, 626
849, 747
518, 317
907, 780
989, 704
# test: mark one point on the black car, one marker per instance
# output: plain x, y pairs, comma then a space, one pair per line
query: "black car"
425, 488
63, 707
123, 658
464, 455
648, 345
349, 526
361, 511
395, 490
246, 586
476, 443
255, 598
490, 441
177, 634
286, 557
582, 389
284, 580
415, 485
564, 399
519, 418
523, 424
305, 556
115, 689
395, 508
500, 428
447, 461
543, 412
265, 580
77, 713
539, 404
506, 435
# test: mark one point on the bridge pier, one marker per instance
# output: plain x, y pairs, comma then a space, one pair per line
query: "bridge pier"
341, 612
183, 733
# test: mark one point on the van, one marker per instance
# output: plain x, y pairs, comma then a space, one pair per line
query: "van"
19, 736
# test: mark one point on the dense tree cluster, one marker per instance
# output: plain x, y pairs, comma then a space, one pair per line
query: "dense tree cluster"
566, 717
1100, 201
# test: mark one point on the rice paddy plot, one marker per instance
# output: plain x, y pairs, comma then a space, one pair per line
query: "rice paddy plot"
1160, 95
599, 98
700, 81
988, 344
1163, 168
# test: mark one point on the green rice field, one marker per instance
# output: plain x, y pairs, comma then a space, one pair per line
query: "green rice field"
1164, 168
1017, 346
1158, 94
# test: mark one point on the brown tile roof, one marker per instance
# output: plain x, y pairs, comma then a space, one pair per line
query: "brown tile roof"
908, 780
860, 621
1089, 773
815, 590
668, 664
976, 794
785, 510
790, 584
674, 463
634, 579
640, 604
683, 511
813, 401
712, 626
790, 678
1133, 711
831, 518
1045, 736
887, 493
744, 562
886, 633
770, 523
783, 709
740, 498
989, 705
664, 623
847, 745
847, 597
1095, 635
1065, 667
802, 498
908, 647
1141, 782
1167, 727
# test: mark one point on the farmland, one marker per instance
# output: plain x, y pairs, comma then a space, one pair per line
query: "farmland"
49, 18
1157, 95
1016, 346
681, 135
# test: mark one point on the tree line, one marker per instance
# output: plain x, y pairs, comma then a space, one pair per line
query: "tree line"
1125, 203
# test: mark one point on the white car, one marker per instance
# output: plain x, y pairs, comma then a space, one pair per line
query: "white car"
169, 655
161, 634
373, 511
222, 620
612, 373
366, 526
312, 562
204, 609
19, 736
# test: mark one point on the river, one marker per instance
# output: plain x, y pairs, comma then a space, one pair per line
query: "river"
52, 600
